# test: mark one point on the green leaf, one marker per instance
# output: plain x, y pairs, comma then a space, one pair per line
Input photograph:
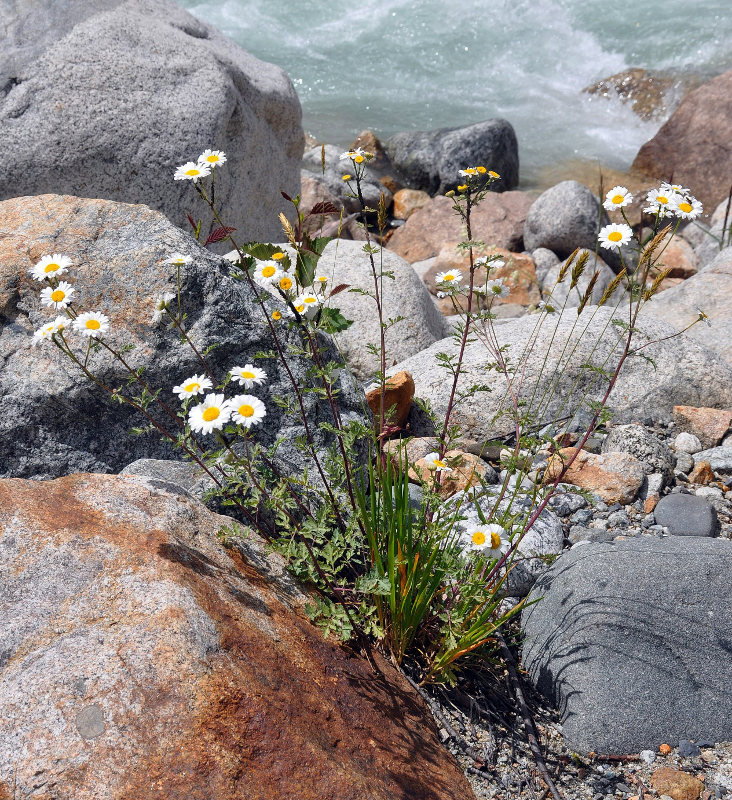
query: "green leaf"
332, 321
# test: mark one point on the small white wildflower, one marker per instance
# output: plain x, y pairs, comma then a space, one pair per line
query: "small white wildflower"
160, 305
660, 201
617, 197
357, 155
452, 276
307, 304
267, 273
247, 410
435, 462
212, 158
192, 386
611, 237
210, 415
191, 172
46, 332
687, 207
50, 266
248, 375
703, 317
92, 323
178, 260
490, 540
497, 288
58, 297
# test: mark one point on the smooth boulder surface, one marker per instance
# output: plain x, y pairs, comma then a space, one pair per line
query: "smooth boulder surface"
140, 659
631, 641
686, 515
431, 160
564, 295
692, 147
684, 372
54, 420
106, 98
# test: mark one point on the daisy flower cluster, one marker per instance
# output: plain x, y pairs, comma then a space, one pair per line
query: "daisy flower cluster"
214, 410
359, 158
488, 540
201, 168
470, 176
449, 282
59, 295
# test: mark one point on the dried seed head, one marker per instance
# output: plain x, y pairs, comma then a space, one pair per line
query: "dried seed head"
613, 285
588, 293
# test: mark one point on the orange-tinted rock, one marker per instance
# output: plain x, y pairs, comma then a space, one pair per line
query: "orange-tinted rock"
702, 473
708, 424
664, 749
615, 477
518, 274
466, 471
692, 147
680, 258
650, 503
407, 201
398, 394
677, 784
498, 221
142, 660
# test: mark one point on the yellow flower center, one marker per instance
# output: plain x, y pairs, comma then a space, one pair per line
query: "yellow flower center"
51, 267
470, 171
495, 541
212, 159
245, 410
278, 256
449, 277
248, 375
311, 300
462, 188
358, 159
617, 199
662, 199
615, 236
439, 463
276, 315
346, 177
192, 172
286, 283
478, 538
321, 279
211, 413
93, 325
58, 295
493, 174
300, 308
481, 170
685, 207
189, 387
268, 272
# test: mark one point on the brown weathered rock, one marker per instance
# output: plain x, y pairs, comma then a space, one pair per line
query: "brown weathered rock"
407, 201
466, 471
675, 783
615, 477
498, 221
398, 394
680, 258
708, 424
415, 448
518, 274
693, 145
313, 192
142, 660
702, 473
645, 90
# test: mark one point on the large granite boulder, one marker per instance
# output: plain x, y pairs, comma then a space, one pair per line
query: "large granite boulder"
140, 659
105, 98
692, 147
631, 641
681, 370
52, 419
710, 291
430, 160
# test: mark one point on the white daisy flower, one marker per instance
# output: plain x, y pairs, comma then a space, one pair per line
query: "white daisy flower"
284, 282
660, 201
232, 256
178, 260
358, 155
212, 158
496, 288
435, 462
468, 172
92, 323
452, 276
192, 386
617, 197
47, 331
490, 540
687, 207
267, 273
248, 375
50, 266
611, 237
320, 280
307, 303
191, 172
210, 415
161, 304
58, 297
674, 187
246, 410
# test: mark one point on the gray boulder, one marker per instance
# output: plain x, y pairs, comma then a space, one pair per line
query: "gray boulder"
683, 372
719, 458
642, 444
686, 515
544, 260
53, 421
707, 247
430, 160
106, 98
565, 217
631, 641
560, 293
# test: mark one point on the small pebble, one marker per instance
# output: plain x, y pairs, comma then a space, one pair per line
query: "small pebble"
687, 748
647, 756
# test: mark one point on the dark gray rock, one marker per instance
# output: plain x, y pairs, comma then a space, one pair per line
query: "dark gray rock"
623, 637
719, 458
430, 160
642, 444
544, 260
688, 749
565, 217
566, 503
105, 98
686, 515
684, 462
581, 533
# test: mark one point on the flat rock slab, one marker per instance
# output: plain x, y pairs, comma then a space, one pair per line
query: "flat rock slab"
718, 458
631, 640
141, 660
687, 515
